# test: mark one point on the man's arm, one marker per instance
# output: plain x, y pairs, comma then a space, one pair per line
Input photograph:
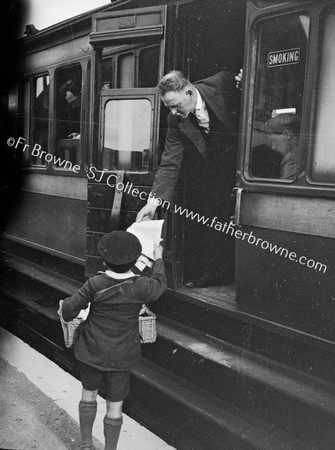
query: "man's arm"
167, 175
172, 158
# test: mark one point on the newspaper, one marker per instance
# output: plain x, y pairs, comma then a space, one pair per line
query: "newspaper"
149, 233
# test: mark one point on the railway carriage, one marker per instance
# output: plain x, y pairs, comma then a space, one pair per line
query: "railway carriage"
250, 365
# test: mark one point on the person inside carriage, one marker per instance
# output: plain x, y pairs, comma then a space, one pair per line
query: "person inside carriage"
202, 134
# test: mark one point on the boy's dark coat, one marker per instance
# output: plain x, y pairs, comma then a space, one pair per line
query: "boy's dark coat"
109, 338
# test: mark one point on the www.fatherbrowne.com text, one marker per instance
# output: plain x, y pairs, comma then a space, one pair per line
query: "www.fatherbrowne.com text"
112, 181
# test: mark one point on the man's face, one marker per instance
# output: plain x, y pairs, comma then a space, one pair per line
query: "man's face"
180, 103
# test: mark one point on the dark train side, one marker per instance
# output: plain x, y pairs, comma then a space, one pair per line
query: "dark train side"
251, 364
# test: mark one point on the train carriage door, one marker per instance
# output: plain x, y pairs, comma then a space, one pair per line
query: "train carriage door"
285, 211
127, 63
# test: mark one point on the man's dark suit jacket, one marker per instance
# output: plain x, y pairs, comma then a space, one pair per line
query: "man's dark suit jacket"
222, 100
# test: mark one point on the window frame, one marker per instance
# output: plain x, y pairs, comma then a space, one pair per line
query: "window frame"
50, 168
135, 48
256, 38
61, 68
24, 125
320, 40
302, 186
32, 138
150, 94
114, 33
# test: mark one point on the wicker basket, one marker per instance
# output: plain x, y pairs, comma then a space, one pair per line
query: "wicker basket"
70, 329
147, 325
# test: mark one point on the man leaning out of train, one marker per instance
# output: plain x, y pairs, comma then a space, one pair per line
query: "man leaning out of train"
108, 345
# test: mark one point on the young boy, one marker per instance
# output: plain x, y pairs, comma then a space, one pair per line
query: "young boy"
108, 346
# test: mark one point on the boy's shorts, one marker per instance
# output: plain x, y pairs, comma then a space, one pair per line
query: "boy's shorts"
116, 382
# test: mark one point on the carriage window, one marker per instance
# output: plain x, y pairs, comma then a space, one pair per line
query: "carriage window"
40, 116
136, 68
13, 110
68, 111
127, 128
107, 73
278, 97
24, 105
13, 100
148, 66
323, 162
25, 109
126, 71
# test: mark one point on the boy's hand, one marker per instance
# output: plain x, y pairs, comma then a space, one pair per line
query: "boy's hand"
158, 251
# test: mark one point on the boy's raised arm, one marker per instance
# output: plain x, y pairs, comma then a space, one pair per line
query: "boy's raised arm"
151, 288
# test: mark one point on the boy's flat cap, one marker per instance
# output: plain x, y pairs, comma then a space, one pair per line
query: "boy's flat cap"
119, 247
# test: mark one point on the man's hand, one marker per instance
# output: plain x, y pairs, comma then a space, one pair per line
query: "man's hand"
74, 136
158, 251
238, 80
147, 212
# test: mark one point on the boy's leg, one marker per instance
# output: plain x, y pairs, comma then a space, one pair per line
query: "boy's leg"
112, 424
117, 387
87, 413
91, 379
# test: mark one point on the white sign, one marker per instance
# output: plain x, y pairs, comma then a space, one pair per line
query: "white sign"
283, 57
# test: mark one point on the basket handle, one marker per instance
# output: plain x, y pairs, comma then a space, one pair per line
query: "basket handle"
59, 311
144, 310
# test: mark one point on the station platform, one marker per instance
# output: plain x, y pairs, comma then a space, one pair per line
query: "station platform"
39, 405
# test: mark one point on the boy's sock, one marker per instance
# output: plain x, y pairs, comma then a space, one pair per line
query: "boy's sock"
87, 413
112, 428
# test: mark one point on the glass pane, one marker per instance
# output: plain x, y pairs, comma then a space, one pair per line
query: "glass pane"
107, 73
41, 116
126, 71
68, 112
26, 105
280, 74
13, 99
13, 111
148, 67
127, 128
24, 123
323, 163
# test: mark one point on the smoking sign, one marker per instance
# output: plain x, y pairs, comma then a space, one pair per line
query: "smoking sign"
283, 57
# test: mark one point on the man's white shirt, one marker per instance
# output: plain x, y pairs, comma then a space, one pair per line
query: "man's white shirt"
201, 113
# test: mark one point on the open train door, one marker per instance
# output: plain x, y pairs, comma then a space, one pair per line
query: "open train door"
127, 63
285, 198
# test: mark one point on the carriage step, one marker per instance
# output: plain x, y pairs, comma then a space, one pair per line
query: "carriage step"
284, 398
193, 419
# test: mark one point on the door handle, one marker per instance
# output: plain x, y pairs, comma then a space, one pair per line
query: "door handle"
238, 201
